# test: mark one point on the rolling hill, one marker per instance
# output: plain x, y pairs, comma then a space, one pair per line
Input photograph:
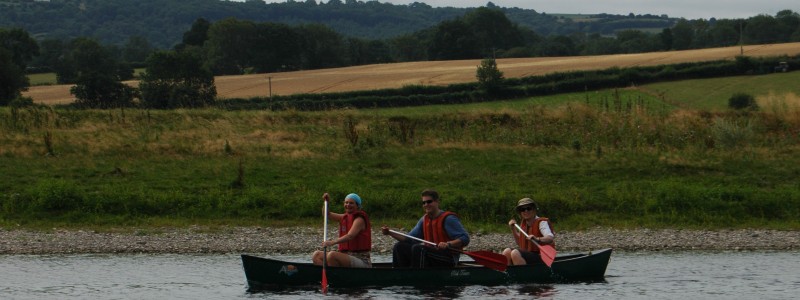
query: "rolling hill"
383, 76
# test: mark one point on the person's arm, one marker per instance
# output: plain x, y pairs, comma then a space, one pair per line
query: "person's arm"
515, 232
358, 226
331, 215
456, 231
547, 234
416, 232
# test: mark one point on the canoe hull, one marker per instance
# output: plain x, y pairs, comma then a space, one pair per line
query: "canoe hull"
265, 273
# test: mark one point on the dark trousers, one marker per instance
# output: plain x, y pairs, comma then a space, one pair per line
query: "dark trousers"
418, 255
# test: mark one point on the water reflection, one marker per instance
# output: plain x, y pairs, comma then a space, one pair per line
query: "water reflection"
438, 293
528, 291
537, 291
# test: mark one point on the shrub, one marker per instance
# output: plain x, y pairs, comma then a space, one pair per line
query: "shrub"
56, 196
742, 101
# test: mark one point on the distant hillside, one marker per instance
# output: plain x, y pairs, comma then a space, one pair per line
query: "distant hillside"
163, 22
433, 73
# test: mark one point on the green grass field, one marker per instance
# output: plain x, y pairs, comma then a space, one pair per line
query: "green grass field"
50, 78
661, 155
713, 94
42, 79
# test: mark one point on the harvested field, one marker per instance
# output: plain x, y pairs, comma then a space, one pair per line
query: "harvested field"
381, 76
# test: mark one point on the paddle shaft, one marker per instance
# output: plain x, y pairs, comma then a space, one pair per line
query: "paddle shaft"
526, 235
325, 248
487, 259
414, 238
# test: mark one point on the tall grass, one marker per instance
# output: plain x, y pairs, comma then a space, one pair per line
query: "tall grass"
608, 159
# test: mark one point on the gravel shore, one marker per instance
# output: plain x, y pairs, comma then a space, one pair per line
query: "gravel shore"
297, 240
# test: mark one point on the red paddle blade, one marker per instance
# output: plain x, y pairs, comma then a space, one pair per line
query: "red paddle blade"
548, 254
324, 282
489, 259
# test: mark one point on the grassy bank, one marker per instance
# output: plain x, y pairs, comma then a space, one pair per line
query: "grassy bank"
616, 158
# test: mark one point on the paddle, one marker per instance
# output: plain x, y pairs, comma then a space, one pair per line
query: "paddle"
325, 249
547, 252
488, 259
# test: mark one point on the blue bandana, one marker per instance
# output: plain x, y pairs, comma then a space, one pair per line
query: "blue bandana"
355, 198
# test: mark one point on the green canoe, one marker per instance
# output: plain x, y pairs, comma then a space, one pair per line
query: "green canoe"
265, 273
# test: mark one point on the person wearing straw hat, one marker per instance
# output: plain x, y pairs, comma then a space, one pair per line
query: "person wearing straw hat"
355, 237
539, 230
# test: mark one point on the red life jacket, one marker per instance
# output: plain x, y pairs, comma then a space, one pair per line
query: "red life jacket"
533, 231
363, 241
433, 229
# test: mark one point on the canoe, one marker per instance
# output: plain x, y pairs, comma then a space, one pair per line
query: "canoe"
265, 273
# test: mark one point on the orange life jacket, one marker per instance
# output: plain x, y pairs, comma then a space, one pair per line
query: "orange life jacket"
363, 241
533, 230
433, 229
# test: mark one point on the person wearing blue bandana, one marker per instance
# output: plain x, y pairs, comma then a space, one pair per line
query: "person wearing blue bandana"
355, 237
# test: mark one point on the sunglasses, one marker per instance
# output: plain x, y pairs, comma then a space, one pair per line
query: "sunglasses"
429, 201
526, 208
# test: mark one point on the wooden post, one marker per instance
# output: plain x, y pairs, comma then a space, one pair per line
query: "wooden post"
269, 78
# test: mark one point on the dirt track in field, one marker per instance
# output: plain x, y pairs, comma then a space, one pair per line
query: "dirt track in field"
397, 75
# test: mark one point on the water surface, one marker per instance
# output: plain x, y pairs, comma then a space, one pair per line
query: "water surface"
630, 275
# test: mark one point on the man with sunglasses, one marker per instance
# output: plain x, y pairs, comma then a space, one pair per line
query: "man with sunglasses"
438, 226
538, 229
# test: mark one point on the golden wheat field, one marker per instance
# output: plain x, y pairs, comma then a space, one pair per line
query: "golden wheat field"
396, 75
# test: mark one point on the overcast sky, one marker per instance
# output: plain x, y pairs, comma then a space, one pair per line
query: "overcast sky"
689, 9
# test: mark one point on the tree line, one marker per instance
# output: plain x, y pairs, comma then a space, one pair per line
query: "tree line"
234, 46
162, 21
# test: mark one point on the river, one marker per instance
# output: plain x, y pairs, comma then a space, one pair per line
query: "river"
630, 275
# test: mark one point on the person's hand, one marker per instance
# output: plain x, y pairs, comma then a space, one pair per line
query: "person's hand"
442, 245
385, 229
512, 222
327, 244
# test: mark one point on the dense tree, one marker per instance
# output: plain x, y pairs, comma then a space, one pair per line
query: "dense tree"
276, 47
479, 33
230, 45
176, 80
136, 50
321, 47
17, 48
490, 78
788, 24
97, 76
12, 78
453, 40
599, 45
492, 30
557, 46
724, 33
666, 39
682, 35
50, 51
635, 41
198, 34
362, 52
761, 29
20, 44
409, 47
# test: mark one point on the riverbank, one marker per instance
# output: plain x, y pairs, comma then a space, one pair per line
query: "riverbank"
301, 240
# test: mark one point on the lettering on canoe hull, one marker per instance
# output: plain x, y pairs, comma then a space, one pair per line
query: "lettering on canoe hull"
289, 270
459, 273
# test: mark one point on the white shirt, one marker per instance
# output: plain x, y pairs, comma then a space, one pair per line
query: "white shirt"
544, 227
